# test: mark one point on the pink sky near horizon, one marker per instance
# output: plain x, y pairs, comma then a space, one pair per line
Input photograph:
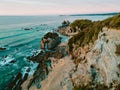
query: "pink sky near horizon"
44, 7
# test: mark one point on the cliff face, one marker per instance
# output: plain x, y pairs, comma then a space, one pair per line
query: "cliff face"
95, 51
98, 63
103, 57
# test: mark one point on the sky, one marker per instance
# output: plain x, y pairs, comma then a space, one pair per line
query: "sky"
60, 7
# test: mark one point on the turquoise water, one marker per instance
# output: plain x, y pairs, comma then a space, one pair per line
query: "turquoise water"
20, 43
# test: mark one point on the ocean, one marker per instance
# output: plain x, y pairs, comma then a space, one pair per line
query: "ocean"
20, 43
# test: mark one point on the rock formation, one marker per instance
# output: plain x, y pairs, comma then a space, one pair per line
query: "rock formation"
2, 48
16, 83
96, 54
99, 63
29, 28
50, 49
50, 41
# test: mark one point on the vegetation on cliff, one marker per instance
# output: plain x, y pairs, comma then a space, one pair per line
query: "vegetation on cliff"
88, 34
112, 22
82, 24
90, 30
80, 48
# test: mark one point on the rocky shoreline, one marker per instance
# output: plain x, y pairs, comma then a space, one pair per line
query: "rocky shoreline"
89, 61
50, 48
43, 58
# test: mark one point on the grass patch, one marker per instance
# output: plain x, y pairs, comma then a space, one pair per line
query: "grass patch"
112, 22
89, 34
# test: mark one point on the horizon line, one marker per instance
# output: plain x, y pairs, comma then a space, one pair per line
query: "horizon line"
72, 14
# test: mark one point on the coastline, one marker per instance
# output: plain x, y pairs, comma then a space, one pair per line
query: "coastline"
57, 70
47, 59
60, 72
90, 65
59, 78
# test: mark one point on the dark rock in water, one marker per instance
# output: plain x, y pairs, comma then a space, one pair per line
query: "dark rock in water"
32, 58
7, 65
25, 77
27, 28
2, 48
12, 84
28, 70
13, 61
17, 82
37, 30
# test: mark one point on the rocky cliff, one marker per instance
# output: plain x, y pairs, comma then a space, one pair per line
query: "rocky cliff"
95, 50
99, 63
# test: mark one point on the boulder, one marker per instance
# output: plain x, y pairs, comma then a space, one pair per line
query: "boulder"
50, 41
16, 83
13, 61
2, 48
27, 28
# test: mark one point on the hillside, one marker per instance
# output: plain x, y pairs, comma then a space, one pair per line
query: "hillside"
88, 30
95, 50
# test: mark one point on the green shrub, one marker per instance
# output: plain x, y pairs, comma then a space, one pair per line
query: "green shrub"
79, 37
87, 35
112, 22
82, 24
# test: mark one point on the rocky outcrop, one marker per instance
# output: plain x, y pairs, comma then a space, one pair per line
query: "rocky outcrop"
52, 50
45, 64
98, 63
66, 30
29, 28
2, 48
16, 83
50, 41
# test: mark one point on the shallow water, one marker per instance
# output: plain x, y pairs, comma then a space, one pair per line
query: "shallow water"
21, 43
